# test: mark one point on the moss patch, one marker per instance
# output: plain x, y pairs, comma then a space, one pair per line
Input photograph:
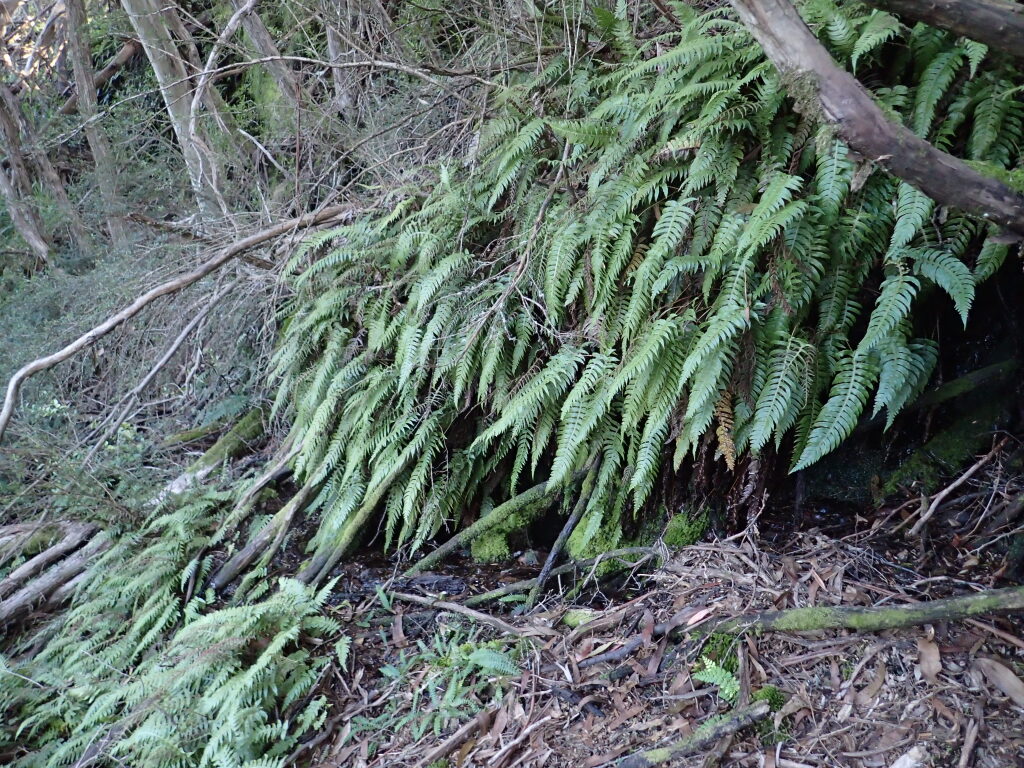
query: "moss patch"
684, 531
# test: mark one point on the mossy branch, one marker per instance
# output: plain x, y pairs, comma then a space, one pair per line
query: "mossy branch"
529, 504
873, 618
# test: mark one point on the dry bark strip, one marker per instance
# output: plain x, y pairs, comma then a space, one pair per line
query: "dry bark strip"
996, 23
873, 618
819, 86
38, 590
171, 286
702, 739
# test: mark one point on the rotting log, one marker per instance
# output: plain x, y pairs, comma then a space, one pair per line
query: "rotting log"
40, 589
530, 503
700, 740
174, 285
866, 619
998, 24
75, 535
820, 87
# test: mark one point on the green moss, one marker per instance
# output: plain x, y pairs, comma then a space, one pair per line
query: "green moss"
951, 448
233, 442
491, 547
775, 698
1014, 179
684, 531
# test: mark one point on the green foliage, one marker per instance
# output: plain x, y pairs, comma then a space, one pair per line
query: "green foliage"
712, 673
449, 680
146, 666
654, 248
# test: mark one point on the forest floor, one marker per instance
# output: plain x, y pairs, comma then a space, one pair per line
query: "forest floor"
605, 691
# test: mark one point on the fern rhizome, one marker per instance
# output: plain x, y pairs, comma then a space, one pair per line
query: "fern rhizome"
647, 253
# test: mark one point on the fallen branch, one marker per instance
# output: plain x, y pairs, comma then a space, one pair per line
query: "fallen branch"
873, 618
528, 504
523, 586
556, 548
171, 286
940, 497
38, 590
700, 740
477, 616
996, 23
807, 68
129, 51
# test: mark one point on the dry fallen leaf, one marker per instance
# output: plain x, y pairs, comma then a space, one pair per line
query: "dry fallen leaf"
912, 759
928, 659
1003, 678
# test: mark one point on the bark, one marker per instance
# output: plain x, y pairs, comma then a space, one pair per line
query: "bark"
872, 618
37, 591
702, 739
818, 85
171, 286
18, 132
129, 51
998, 24
106, 170
153, 23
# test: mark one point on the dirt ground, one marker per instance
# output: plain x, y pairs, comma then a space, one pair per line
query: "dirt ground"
634, 677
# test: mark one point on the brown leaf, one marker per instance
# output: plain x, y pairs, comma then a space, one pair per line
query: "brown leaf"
1003, 678
928, 659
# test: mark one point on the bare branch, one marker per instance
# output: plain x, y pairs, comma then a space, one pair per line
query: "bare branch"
171, 286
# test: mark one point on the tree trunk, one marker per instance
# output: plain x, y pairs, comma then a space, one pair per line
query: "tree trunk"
152, 22
819, 86
106, 170
263, 43
18, 133
25, 220
998, 24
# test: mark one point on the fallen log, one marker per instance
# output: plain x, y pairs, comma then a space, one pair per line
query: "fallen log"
867, 619
40, 589
75, 534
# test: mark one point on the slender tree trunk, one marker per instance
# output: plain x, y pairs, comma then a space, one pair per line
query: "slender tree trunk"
152, 22
17, 133
25, 219
106, 170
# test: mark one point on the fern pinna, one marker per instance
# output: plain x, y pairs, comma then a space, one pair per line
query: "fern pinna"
581, 295
648, 248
